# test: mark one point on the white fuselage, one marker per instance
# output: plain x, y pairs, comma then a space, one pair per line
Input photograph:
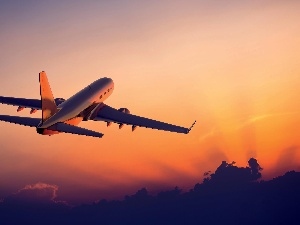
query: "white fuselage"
96, 92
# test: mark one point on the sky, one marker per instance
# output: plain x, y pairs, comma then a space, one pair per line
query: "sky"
233, 66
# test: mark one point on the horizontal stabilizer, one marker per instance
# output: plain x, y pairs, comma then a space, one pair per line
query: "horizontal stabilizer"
26, 121
67, 128
27, 103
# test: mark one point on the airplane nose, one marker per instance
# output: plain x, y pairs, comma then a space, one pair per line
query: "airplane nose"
108, 79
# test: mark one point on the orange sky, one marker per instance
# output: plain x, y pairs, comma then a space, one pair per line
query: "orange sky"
234, 67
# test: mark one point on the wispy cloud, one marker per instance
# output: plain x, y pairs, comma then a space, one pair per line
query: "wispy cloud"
256, 118
211, 133
243, 123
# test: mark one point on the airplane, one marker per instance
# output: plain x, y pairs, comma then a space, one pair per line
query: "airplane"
60, 115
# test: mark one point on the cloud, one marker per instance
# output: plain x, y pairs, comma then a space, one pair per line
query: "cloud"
256, 118
243, 123
229, 191
39, 193
33, 204
209, 134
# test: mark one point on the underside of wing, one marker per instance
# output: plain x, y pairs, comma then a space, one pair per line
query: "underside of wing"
23, 102
109, 114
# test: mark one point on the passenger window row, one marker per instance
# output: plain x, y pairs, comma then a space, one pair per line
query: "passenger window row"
105, 92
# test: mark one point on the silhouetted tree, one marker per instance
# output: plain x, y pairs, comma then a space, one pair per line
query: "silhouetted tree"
229, 174
255, 168
169, 194
140, 195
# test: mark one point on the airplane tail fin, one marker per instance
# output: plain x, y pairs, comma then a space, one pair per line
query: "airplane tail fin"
49, 107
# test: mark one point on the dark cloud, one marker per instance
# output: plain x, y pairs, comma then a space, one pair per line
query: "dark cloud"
229, 195
33, 204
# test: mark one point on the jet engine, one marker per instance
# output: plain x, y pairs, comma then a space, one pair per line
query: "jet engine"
124, 110
59, 100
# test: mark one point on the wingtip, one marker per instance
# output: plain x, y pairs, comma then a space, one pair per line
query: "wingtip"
191, 127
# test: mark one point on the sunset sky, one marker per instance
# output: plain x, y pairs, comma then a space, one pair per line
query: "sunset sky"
234, 66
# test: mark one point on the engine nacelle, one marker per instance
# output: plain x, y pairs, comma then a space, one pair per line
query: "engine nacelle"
44, 131
59, 100
124, 110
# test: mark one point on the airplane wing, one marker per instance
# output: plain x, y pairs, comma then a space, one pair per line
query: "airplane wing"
61, 127
109, 114
25, 121
23, 102
26, 103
